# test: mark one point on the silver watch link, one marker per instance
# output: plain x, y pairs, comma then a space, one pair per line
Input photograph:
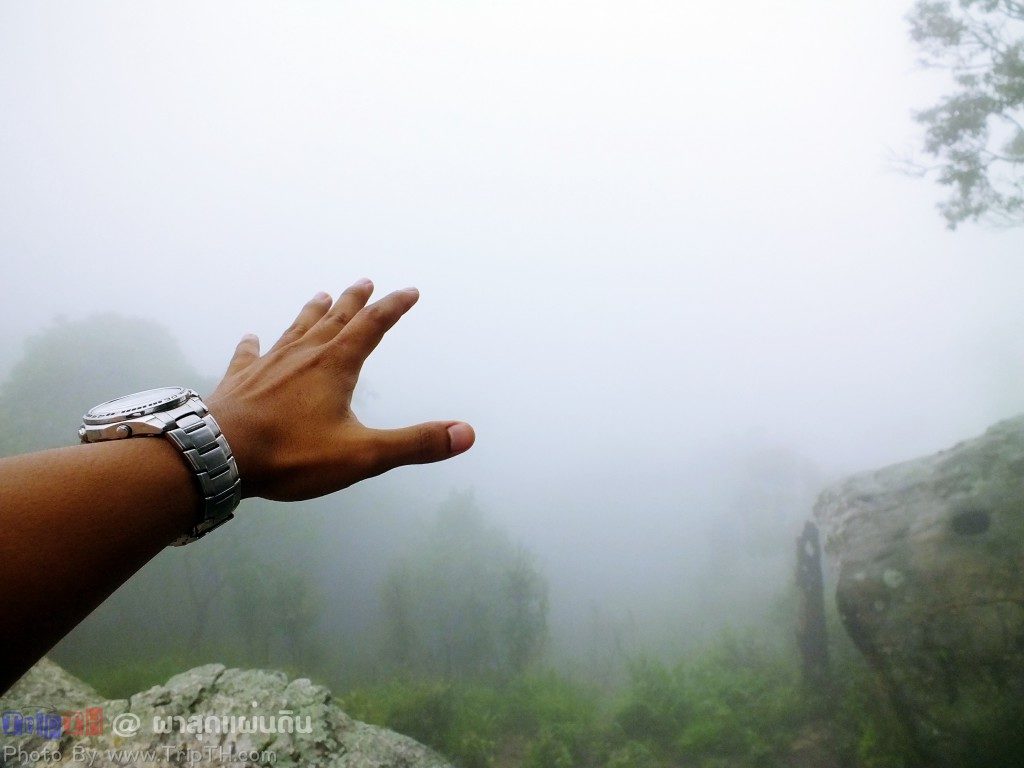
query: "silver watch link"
180, 415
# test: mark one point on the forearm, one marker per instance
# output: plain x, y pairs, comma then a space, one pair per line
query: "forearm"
77, 522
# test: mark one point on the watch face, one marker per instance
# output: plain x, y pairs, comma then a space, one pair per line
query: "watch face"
138, 404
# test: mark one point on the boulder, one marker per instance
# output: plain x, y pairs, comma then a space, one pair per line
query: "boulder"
930, 559
196, 719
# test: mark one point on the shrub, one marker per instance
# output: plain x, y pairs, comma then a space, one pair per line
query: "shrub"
633, 754
737, 702
549, 718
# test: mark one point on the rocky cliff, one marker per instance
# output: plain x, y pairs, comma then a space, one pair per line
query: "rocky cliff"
930, 557
208, 716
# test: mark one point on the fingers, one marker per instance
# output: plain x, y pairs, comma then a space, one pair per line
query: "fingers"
420, 444
246, 352
308, 316
364, 331
352, 300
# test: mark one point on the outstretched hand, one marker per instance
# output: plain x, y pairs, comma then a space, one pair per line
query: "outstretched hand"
287, 414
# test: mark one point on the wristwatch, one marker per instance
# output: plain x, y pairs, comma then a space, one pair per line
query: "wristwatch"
178, 414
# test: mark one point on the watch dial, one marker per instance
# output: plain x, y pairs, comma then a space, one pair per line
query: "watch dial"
141, 403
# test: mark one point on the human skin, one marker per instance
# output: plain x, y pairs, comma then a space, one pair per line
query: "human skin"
77, 522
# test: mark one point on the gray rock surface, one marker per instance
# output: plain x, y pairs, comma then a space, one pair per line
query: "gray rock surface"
334, 739
930, 557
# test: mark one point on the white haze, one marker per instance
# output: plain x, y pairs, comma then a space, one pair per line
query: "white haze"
650, 237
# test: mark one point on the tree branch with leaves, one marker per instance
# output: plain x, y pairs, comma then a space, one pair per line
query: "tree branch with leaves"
975, 134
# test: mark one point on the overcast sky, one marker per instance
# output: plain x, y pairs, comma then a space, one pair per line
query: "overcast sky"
641, 230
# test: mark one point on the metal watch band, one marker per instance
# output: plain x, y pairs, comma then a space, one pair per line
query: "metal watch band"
196, 433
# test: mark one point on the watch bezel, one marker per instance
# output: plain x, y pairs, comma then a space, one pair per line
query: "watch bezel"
105, 413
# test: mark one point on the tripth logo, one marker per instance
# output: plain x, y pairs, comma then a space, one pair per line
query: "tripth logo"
49, 724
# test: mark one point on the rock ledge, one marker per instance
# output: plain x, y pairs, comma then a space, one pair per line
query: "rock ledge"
215, 717
930, 557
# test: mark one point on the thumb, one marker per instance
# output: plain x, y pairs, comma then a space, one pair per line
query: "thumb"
420, 444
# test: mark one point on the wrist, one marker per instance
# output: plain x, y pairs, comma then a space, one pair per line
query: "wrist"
243, 435
182, 419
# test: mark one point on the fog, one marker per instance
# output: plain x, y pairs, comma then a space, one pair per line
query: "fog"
662, 248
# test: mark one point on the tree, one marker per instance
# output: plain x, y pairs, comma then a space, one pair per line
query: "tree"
465, 602
68, 367
976, 133
525, 594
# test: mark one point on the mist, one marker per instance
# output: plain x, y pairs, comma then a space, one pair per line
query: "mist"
668, 270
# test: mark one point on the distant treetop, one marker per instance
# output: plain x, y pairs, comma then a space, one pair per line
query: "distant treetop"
975, 134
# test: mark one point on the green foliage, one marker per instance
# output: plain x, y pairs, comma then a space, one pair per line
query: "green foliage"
464, 602
657, 708
532, 702
429, 710
738, 702
546, 718
559, 719
455, 720
747, 701
633, 754
976, 133
550, 750
120, 680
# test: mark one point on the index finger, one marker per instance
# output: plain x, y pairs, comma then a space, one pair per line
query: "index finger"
364, 331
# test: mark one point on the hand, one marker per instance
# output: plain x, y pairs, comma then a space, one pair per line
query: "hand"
287, 415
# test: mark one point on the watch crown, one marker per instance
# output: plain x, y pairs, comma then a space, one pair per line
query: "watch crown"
124, 431
81, 432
